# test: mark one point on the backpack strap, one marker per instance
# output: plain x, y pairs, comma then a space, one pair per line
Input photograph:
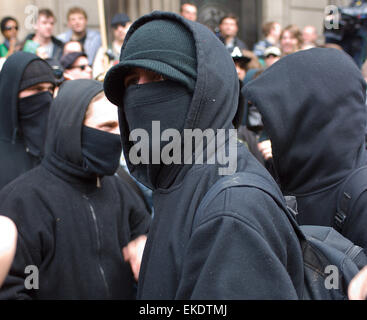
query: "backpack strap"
351, 189
246, 179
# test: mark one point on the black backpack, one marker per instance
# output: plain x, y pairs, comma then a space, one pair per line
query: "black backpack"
350, 191
330, 260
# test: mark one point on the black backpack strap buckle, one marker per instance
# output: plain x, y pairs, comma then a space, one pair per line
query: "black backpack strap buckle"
339, 221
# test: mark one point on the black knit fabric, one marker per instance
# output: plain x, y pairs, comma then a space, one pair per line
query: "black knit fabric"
172, 54
37, 71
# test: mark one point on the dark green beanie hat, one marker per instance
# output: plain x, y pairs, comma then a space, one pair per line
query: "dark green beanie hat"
163, 46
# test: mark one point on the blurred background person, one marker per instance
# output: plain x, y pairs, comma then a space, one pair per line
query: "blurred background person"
271, 32
310, 36
271, 55
189, 11
291, 40
76, 66
103, 61
77, 23
228, 29
72, 46
240, 61
9, 30
42, 42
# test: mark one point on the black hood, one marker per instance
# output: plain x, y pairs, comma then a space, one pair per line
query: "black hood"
313, 107
10, 79
14, 156
215, 98
63, 143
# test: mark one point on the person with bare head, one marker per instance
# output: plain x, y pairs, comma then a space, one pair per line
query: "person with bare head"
271, 32
9, 29
189, 11
291, 40
42, 42
77, 22
228, 27
72, 46
310, 37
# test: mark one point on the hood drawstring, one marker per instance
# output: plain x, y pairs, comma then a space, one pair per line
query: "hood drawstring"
98, 182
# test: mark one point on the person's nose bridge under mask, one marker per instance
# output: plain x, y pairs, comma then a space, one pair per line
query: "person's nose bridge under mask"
165, 101
101, 151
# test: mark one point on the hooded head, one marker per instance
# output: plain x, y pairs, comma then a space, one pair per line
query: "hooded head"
313, 108
24, 116
75, 145
199, 87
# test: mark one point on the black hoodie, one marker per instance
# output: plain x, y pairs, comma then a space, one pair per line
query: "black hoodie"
247, 248
70, 229
313, 106
14, 157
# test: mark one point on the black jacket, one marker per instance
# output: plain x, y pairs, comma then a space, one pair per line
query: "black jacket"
313, 106
246, 249
69, 228
14, 157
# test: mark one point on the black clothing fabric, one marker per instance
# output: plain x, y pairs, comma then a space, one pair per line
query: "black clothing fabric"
36, 72
101, 151
146, 103
250, 140
246, 249
69, 228
313, 106
172, 56
15, 157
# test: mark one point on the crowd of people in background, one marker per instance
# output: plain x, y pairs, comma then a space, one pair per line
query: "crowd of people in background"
78, 52
276, 43
69, 69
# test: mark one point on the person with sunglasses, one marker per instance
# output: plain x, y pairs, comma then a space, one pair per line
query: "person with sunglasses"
76, 66
104, 60
9, 29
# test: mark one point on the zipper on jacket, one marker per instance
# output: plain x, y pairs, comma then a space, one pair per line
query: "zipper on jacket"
101, 270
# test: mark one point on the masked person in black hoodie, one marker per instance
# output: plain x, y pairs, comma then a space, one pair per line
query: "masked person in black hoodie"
26, 94
313, 106
74, 216
177, 72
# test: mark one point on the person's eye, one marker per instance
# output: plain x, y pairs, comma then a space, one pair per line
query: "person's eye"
131, 80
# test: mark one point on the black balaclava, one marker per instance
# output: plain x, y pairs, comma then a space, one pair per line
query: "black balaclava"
101, 151
33, 110
74, 151
33, 116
